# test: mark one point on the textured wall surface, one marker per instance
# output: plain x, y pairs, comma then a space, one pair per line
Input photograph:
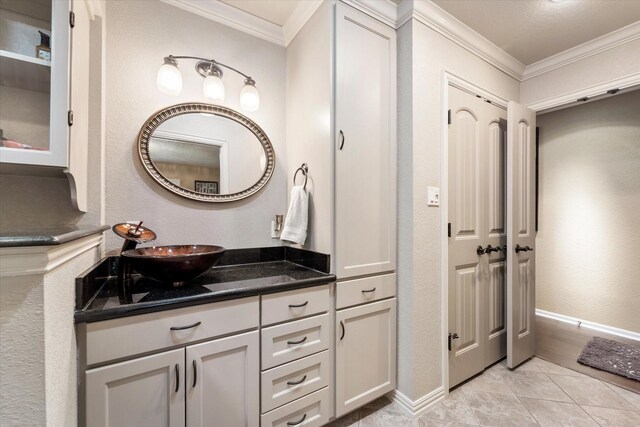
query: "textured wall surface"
419, 166
589, 227
60, 340
619, 62
22, 377
139, 35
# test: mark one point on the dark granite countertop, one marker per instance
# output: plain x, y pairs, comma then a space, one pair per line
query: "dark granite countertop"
47, 236
241, 273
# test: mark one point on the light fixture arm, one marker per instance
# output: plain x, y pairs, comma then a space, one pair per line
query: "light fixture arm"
214, 62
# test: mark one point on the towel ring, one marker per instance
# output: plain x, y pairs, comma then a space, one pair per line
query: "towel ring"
304, 168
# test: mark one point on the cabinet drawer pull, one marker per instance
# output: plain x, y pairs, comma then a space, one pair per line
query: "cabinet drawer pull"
195, 373
342, 325
297, 342
177, 378
295, 423
297, 382
298, 305
179, 328
366, 291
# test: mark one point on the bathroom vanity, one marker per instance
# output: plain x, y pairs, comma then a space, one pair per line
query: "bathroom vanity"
254, 341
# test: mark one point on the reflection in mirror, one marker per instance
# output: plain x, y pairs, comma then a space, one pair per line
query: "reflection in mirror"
206, 152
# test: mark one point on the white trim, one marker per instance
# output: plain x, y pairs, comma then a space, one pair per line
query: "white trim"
39, 260
589, 325
427, 13
302, 13
232, 17
384, 11
420, 406
593, 47
571, 98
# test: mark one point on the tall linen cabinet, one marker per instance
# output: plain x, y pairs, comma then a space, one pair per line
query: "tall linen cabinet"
341, 121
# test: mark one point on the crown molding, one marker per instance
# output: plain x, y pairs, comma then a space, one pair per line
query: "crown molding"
232, 17
302, 13
39, 260
570, 98
593, 47
427, 13
384, 11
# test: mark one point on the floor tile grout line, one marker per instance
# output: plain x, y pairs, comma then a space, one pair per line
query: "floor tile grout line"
464, 396
610, 387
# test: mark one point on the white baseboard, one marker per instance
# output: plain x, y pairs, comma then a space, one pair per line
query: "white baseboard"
418, 407
589, 325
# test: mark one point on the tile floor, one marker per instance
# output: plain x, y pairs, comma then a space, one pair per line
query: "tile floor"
537, 393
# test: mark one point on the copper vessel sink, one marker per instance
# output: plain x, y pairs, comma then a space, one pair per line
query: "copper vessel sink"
174, 264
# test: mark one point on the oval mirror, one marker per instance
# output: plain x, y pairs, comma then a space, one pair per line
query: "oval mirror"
206, 152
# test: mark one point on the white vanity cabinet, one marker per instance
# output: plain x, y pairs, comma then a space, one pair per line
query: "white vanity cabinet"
45, 100
365, 342
211, 379
344, 127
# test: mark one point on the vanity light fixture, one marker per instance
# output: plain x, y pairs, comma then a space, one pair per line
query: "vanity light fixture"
169, 81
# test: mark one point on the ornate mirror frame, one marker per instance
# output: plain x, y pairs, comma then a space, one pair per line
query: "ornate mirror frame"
176, 110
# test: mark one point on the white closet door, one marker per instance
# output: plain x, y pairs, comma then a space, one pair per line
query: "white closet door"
521, 157
365, 138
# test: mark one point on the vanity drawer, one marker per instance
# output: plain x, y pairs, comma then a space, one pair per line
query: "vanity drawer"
367, 289
288, 382
293, 340
312, 409
295, 304
128, 336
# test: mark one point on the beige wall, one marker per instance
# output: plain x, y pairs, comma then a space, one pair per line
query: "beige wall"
139, 35
423, 56
589, 224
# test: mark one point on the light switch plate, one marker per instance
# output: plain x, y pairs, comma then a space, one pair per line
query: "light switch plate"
433, 196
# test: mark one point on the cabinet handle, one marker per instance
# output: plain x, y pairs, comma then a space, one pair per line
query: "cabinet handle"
195, 373
297, 342
177, 378
366, 291
179, 328
341, 140
298, 305
295, 423
297, 382
342, 325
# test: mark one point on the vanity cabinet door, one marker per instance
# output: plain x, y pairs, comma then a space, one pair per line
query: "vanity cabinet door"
223, 382
365, 144
143, 392
365, 354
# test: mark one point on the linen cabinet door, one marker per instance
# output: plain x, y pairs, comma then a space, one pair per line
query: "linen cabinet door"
365, 138
143, 392
365, 354
223, 383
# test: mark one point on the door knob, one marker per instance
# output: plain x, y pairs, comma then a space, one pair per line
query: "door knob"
452, 336
523, 249
480, 250
490, 249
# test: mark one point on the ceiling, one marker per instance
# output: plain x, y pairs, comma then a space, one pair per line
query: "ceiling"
528, 30
531, 30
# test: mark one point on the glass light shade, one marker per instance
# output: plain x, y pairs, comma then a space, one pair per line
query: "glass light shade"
213, 88
169, 79
249, 98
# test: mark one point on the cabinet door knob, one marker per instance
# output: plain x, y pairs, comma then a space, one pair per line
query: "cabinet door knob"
295, 423
195, 373
341, 140
297, 342
177, 367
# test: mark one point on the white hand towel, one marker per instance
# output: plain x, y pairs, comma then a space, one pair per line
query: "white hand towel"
295, 225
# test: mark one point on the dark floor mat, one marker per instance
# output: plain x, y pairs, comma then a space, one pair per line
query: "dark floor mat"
612, 356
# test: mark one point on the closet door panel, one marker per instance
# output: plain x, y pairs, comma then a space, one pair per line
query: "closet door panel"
365, 144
